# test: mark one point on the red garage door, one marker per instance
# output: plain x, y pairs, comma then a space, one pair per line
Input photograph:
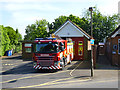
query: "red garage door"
78, 48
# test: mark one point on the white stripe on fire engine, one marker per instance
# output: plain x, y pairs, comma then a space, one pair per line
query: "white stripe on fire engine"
57, 67
53, 67
37, 66
50, 68
34, 66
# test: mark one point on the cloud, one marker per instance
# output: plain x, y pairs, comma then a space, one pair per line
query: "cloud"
29, 6
20, 13
23, 1
50, 1
109, 7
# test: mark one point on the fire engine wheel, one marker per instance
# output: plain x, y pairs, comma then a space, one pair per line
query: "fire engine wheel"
65, 61
70, 61
62, 65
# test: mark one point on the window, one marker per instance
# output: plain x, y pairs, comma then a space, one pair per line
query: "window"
80, 43
80, 50
47, 47
28, 47
28, 50
114, 47
118, 46
28, 44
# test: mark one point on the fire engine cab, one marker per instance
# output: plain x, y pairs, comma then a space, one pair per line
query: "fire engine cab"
51, 53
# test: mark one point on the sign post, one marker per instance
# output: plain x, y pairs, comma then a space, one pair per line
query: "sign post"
91, 41
92, 44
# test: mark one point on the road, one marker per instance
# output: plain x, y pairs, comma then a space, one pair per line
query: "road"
17, 73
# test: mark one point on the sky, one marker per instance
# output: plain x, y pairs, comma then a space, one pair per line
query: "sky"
20, 13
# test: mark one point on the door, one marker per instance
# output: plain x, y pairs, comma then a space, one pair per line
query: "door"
78, 48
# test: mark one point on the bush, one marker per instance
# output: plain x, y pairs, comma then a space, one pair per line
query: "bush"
9, 39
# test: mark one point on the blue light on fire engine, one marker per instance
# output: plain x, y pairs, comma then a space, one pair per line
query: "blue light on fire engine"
45, 38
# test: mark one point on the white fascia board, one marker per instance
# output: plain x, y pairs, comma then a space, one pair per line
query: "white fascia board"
114, 34
60, 28
71, 35
79, 30
74, 27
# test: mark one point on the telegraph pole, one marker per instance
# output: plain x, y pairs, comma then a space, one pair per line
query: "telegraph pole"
91, 9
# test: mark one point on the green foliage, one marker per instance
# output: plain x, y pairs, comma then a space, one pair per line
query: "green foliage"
18, 46
58, 22
81, 22
5, 41
0, 40
37, 30
9, 39
102, 25
12, 35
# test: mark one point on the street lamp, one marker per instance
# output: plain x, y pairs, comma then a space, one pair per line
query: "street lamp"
91, 9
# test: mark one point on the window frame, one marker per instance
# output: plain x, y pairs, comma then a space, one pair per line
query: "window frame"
28, 44
29, 47
30, 51
118, 46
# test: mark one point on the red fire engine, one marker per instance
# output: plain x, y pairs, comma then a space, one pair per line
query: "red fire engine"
52, 53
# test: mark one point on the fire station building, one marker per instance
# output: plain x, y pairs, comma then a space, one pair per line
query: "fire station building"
79, 37
68, 30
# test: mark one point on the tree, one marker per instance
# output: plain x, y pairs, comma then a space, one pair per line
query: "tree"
18, 45
102, 25
57, 23
81, 22
9, 39
5, 41
37, 30
0, 40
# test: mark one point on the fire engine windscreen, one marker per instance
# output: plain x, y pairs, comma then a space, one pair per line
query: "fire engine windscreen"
49, 47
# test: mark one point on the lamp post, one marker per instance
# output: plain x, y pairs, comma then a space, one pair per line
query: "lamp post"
91, 9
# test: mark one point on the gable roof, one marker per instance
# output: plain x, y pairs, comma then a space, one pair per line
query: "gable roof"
114, 31
75, 26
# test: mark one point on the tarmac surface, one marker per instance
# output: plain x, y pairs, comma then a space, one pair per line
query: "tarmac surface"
18, 73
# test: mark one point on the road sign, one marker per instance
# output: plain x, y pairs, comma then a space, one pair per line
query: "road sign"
92, 41
89, 45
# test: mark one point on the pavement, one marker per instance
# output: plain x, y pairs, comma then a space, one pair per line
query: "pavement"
105, 75
103, 63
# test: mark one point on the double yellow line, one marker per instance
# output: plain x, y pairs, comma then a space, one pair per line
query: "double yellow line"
57, 81
75, 68
47, 83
